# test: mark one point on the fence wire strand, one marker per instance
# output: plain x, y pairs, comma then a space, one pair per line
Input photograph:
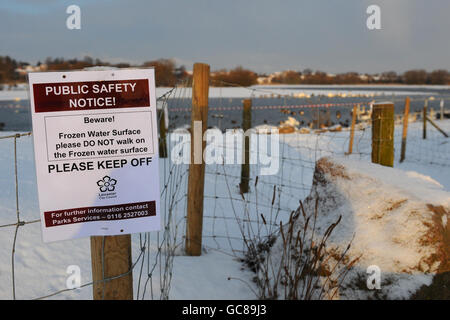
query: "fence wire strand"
230, 218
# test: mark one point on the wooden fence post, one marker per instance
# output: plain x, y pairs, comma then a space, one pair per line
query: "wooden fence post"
352, 130
162, 134
196, 180
424, 116
111, 257
437, 127
383, 134
246, 125
442, 109
405, 129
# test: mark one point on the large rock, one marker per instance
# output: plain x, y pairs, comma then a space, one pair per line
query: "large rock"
395, 220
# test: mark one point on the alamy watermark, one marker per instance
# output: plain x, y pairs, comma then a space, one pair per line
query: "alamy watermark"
73, 21
73, 281
228, 148
373, 21
374, 278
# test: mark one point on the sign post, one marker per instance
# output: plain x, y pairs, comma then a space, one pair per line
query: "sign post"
96, 151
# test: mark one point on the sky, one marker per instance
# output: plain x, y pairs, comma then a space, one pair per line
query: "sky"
263, 35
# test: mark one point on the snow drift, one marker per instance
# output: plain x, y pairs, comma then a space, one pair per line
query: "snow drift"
394, 220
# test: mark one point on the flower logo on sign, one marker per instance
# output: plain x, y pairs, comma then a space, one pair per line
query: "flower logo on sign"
107, 184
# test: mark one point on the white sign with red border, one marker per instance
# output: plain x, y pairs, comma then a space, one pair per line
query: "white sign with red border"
96, 151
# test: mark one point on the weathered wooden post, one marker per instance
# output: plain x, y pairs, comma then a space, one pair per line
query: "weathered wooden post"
405, 129
196, 180
424, 116
246, 125
383, 134
437, 127
352, 130
111, 257
162, 134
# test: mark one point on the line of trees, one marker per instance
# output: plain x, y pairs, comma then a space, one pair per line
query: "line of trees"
169, 74
8, 71
317, 77
166, 72
235, 77
12, 71
391, 77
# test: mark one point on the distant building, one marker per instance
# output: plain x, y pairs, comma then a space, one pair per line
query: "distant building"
29, 68
364, 77
264, 79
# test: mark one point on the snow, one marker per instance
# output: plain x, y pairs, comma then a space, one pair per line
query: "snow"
385, 217
372, 190
413, 184
203, 278
267, 90
40, 269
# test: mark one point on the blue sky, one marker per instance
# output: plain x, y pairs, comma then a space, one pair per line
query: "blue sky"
263, 35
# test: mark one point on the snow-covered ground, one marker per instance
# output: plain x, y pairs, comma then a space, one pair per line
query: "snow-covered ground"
40, 269
387, 219
259, 91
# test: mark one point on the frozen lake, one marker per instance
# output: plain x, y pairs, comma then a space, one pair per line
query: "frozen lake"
225, 104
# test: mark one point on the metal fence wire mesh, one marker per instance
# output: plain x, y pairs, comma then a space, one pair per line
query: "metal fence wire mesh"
230, 219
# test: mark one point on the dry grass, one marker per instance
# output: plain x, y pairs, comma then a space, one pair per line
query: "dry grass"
295, 263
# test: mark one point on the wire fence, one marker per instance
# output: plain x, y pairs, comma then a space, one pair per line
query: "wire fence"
153, 252
230, 218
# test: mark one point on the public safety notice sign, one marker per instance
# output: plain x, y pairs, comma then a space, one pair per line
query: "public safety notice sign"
96, 152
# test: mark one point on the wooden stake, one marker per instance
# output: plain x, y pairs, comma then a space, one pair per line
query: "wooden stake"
405, 129
424, 116
162, 134
442, 109
437, 127
383, 134
246, 125
352, 130
196, 180
111, 257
